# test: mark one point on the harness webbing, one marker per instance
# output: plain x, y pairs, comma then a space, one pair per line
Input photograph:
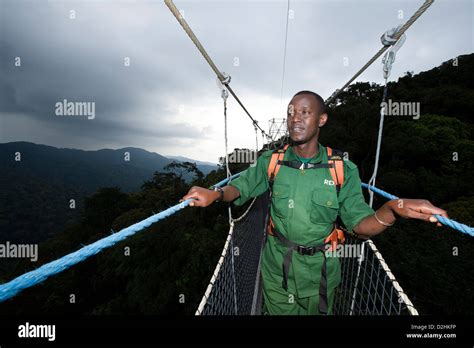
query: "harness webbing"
302, 165
303, 250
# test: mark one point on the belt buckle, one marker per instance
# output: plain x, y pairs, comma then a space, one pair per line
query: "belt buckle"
304, 250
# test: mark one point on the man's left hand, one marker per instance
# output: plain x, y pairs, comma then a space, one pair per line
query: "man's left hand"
416, 209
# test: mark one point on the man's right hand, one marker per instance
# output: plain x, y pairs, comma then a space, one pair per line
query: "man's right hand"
201, 197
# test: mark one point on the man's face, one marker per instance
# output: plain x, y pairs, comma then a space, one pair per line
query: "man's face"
303, 119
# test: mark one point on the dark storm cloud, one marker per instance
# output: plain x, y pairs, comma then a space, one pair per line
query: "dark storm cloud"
82, 59
62, 58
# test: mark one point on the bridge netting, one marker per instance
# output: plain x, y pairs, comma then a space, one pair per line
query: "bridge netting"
368, 287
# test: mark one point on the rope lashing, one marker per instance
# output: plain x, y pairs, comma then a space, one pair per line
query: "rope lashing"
396, 36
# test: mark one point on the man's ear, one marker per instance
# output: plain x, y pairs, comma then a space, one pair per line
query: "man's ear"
323, 118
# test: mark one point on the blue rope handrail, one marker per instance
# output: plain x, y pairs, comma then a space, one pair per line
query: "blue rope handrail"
29, 279
445, 221
40, 274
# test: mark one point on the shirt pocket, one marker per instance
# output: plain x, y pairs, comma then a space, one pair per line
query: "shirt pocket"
324, 207
280, 202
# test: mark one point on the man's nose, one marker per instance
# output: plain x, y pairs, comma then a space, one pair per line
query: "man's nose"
297, 116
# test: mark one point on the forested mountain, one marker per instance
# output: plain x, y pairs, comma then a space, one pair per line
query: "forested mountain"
38, 183
429, 157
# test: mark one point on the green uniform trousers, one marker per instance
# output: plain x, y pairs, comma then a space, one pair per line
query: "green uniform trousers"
278, 301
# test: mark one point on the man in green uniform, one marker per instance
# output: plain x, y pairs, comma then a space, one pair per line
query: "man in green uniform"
304, 208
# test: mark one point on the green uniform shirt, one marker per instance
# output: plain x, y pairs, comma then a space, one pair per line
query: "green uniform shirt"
304, 208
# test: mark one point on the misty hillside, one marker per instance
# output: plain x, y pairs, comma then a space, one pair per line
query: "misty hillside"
36, 190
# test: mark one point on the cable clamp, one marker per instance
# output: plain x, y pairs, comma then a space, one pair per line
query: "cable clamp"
389, 57
222, 85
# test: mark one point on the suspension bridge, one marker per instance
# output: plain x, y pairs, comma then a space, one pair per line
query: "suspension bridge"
368, 286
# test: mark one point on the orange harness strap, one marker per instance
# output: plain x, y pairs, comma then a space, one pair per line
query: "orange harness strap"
274, 166
337, 169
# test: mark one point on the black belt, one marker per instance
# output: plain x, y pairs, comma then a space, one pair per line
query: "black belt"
304, 250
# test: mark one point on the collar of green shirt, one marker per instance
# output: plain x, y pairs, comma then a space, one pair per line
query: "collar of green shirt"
315, 159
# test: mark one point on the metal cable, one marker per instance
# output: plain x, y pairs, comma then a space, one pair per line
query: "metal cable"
284, 52
193, 37
224, 79
397, 35
242, 105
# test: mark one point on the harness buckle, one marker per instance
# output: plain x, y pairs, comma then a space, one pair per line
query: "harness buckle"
304, 250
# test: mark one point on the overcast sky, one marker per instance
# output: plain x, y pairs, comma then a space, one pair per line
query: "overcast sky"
167, 99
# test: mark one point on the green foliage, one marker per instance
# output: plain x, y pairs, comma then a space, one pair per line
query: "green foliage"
102, 208
430, 158
149, 272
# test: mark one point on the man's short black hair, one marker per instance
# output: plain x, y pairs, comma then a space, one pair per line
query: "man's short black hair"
319, 100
